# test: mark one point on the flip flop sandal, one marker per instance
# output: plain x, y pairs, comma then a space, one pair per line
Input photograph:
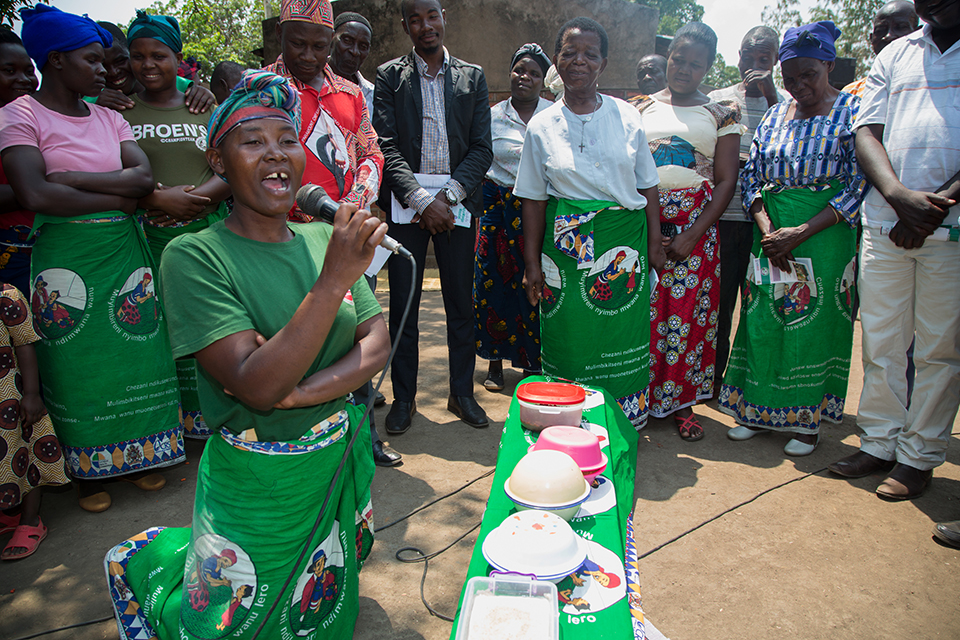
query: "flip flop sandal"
494, 382
8, 523
689, 428
25, 537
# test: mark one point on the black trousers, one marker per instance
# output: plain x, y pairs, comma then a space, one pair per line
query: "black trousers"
736, 240
454, 251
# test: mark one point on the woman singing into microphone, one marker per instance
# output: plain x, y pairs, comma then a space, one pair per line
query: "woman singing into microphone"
283, 426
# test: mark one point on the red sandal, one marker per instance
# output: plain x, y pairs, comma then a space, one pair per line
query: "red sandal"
689, 428
25, 537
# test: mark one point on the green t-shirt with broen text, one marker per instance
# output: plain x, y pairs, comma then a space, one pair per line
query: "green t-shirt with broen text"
217, 283
175, 142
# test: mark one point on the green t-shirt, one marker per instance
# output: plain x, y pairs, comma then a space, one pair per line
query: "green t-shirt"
175, 141
217, 283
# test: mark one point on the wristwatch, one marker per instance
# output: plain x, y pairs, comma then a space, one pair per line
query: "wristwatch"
451, 196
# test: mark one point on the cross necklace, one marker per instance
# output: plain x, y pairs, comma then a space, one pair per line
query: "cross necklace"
583, 123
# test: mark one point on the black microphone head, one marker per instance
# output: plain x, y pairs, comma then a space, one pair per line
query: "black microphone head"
314, 201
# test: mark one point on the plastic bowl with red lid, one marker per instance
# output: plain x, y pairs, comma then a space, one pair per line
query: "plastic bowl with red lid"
550, 404
579, 444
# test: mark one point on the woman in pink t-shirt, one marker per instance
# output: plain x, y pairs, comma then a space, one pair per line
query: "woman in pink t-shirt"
110, 386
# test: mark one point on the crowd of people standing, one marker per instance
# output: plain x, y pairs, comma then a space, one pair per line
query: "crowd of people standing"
127, 247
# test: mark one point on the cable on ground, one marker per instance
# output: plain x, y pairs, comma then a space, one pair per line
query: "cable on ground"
726, 511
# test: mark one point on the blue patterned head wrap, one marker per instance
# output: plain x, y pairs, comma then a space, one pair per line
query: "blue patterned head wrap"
815, 40
166, 29
259, 94
47, 29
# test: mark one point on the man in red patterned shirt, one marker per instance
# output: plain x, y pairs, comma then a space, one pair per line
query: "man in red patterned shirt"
343, 156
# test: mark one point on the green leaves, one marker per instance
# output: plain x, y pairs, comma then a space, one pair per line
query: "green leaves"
218, 30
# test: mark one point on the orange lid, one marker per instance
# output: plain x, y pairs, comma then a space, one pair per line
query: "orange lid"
551, 393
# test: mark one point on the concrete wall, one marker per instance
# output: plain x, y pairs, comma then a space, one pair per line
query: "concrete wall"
488, 32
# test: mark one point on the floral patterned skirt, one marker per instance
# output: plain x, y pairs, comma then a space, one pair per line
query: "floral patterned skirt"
507, 326
684, 312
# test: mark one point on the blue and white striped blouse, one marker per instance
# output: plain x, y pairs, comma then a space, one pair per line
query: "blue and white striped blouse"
807, 153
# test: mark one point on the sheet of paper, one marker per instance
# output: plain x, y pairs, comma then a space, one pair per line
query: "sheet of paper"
400, 214
765, 273
379, 259
654, 281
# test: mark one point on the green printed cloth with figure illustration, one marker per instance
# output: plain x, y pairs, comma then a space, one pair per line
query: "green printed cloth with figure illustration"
790, 360
219, 578
601, 599
109, 380
595, 302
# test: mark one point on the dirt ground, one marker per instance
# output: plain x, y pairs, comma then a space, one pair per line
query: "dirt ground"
821, 557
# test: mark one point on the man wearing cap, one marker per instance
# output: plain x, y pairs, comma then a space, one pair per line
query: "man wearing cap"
342, 152
352, 35
908, 143
432, 113
351, 46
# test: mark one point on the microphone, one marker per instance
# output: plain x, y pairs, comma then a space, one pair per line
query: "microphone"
314, 201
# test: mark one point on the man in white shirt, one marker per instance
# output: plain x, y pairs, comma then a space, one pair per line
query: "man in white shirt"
908, 144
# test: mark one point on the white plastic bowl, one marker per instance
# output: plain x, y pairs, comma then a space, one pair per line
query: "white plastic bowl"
548, 478
536, 543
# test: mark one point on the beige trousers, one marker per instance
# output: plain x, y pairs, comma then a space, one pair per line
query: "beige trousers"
902, 293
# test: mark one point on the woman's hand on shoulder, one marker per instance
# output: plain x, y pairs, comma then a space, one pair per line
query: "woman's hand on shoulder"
356, 235
116, 100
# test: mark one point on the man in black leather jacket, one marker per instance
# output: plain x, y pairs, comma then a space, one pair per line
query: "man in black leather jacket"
432, 114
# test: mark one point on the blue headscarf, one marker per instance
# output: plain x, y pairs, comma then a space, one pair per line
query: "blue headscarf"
47, 29
166, 29
815, 40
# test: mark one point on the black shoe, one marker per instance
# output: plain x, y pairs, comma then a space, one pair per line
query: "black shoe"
905, 483
949, 532
380, 400
384, 456
860, 465
467, 409
398, 418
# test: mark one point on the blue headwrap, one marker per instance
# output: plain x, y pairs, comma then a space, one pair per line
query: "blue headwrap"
815, 40
166, 29
47, 29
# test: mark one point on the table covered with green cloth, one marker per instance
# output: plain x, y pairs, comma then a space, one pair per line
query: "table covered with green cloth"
602, 598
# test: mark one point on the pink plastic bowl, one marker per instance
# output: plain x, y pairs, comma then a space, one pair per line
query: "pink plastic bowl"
579, 444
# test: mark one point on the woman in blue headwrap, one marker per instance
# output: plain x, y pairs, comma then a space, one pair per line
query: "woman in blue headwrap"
791, 358
283, 426
110, 386
188, 196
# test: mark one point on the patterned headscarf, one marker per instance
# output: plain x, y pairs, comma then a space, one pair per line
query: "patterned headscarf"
815, 40
47, 29
259, 94
315, 11
166, 29
533, 51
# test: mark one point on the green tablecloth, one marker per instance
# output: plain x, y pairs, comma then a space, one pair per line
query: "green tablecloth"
602, 599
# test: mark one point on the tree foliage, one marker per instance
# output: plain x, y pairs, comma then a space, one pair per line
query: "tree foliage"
9, 10
218, 30
853, 17
675, 13
722, 74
